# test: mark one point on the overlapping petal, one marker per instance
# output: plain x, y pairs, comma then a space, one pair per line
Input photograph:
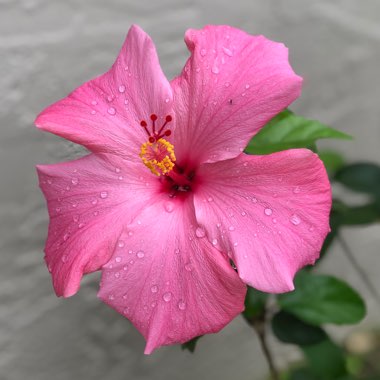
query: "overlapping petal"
168, 280
230, 87
90, 200
104, 114
269, 213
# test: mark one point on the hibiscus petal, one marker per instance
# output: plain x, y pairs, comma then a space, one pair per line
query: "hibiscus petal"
270, 214
89, 202
104, 114
170, 283
232, 84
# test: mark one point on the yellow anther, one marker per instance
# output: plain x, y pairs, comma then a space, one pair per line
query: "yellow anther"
158, 156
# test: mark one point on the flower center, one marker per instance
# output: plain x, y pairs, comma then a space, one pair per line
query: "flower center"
157, 154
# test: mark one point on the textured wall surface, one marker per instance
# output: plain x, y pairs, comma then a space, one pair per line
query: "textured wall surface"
48, 47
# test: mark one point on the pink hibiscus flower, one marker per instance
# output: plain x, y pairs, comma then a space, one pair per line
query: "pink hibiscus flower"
166, 198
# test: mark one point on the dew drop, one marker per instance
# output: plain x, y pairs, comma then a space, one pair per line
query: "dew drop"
167, 100
153, 304
214, 242
58, 209
121, 88
140, 254
80, 225
64, 258
200, 232
94, 102
117, 274
94, 201
120, 177
254, 200
296, 190
111, 111
74, 181
188, 267
118, 259
274, 220
65, 237
111, 297
125, 267
210, 199
243, 213
177, 251
295, 219
227, 84
93, 112
169, 206
215, 70
231, 228
126, 102
117, 170
236, 244
167, 296
120, 243
103, 194
203, 52
268, 211
311, 229
247, 86
154, 289
76, 218
130, 233
181, 305
227, 51
218, 225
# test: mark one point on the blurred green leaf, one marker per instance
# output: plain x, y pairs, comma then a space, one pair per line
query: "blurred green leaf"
287, 131
361, 177
290, 329
326, 360
332, 161
320, 299
255, 302
191, 344
302, 374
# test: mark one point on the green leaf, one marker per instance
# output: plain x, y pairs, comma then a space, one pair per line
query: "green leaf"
255, 302
320, 299
326, 360
289, 329
191, 344
287, 131
332, 160
361, 177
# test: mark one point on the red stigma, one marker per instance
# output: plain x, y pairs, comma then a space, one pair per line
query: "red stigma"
152, 133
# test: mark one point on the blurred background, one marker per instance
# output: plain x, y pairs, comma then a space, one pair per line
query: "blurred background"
49, 47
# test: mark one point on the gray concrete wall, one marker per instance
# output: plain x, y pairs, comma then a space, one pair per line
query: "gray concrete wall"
48, 47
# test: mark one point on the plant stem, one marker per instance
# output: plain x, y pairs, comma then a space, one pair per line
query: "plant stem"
258, 325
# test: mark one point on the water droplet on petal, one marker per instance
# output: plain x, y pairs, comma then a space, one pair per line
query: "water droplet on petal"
121, 89
125, 267
103, 194
181, 305
94, 201
296, 190
311, 229
169, 206
58, 209
154, 289
177, 251
227, 84
117, 274
167, 100
203, 52
126, 102
295, 219
231, 228
247, 86
140, 254
236, 244
254, 200
189, 267
65, 237
214, 242
274, 220
111, 111
227, 51
80, 225
118, 259
94, 102
74, 181
93, 112
111, 297
200, 232
64, 258
117, 170
215, 70
268, 211
167, 296
120, 243
210, 199
243, 213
